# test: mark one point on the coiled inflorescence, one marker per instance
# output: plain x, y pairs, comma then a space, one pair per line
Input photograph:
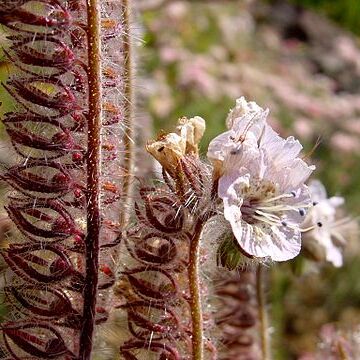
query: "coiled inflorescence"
48, 258
237, 316
158, 246
154, 287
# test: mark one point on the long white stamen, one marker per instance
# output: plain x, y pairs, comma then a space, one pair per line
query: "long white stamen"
283, 207
270, 216
308, 228
278, 198
343, 221
265, 220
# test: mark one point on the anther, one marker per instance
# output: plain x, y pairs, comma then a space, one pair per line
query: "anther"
235, 151
284, 223
302, 212
319, 224
315, 203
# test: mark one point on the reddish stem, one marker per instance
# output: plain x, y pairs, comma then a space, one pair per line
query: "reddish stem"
93, 177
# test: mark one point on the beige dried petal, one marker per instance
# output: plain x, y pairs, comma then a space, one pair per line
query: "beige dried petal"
192, 131
168, 150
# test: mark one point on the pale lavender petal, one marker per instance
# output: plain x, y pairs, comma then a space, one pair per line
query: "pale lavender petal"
317, 190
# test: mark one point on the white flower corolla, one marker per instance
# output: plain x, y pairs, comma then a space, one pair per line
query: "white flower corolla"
244, 110
245, 123
329, 231
261, 182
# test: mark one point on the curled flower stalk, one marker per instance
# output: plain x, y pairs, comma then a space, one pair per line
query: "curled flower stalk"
161, 288
237, 316
67, 124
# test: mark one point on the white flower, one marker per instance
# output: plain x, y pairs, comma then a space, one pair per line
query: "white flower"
328, 231
245, 119
261, 184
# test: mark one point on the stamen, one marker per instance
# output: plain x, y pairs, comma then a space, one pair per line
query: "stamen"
308, 228
343, 221
248, 126
282, 196
271, 216
236, 151
265, 220
283, 207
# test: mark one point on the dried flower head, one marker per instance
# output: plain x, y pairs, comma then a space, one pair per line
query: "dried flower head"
192, 130
169, 149
261, 184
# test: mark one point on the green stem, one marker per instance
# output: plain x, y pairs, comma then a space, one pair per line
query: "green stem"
195, 294
264, 335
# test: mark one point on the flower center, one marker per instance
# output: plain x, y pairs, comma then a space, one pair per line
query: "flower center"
264, 204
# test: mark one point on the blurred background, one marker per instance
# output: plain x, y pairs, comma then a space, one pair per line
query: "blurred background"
299, 58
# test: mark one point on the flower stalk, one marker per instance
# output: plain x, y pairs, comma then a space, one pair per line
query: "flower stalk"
68, 132
263, 320
93, 178
195, 294
129, 105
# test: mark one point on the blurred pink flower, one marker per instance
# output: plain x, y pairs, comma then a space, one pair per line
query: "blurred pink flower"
303, 127
261, 183
198, 72
346, 142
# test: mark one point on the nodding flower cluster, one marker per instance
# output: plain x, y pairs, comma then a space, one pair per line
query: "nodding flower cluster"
66, 214
155, 284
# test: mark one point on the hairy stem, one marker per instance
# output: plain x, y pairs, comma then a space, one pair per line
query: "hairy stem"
93, 176
195, 296
128, 112
264, 336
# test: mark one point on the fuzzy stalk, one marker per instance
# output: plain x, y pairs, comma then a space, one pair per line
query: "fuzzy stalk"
65, 204
128, 112
263, 319
195, 294
93, 177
